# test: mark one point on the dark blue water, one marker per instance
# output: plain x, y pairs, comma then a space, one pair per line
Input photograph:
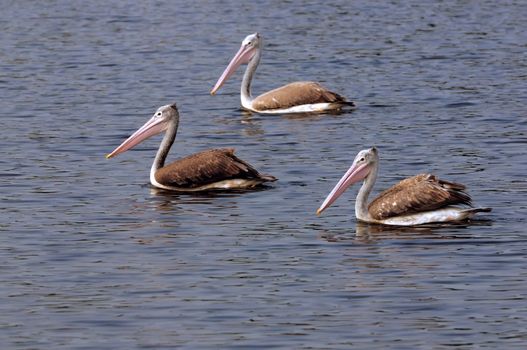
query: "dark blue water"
93, 258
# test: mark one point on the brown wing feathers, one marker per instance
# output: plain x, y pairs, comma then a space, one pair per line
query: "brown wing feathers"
207, 167
295, 94
419, 193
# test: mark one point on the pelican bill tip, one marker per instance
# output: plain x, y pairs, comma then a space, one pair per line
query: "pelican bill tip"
108, 156
319, 212
212, 92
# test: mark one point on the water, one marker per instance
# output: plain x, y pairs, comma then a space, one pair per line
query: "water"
94, 258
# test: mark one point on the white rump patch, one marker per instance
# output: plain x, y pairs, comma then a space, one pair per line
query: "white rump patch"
309, 108
225, 185
449, 214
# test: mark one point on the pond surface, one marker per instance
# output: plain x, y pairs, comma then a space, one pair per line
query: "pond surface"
94, 258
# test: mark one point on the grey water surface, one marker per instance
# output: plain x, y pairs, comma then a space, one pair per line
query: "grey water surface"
92, 257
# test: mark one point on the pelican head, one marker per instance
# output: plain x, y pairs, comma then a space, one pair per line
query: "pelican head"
158, 123
359, 170
250, 45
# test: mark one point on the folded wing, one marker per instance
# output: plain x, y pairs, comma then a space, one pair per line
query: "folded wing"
208, 167
295, 94
417, 194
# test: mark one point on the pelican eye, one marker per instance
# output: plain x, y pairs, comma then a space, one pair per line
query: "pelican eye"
362, 159
158, 114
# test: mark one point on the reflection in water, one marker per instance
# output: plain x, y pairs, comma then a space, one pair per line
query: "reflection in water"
252, 125
204, 197
185, 203
370, 233
246, 113
198, 203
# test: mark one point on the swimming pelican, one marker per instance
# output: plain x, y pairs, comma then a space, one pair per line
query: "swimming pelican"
416, 200
211, 169
299, 97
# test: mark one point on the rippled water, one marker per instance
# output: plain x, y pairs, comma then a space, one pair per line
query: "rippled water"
94, 258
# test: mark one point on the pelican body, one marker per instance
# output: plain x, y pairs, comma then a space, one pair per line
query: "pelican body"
207, 170
416, 200
298, 97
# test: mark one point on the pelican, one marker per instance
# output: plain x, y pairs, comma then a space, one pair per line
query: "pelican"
416, 200
207, 170
298, 97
